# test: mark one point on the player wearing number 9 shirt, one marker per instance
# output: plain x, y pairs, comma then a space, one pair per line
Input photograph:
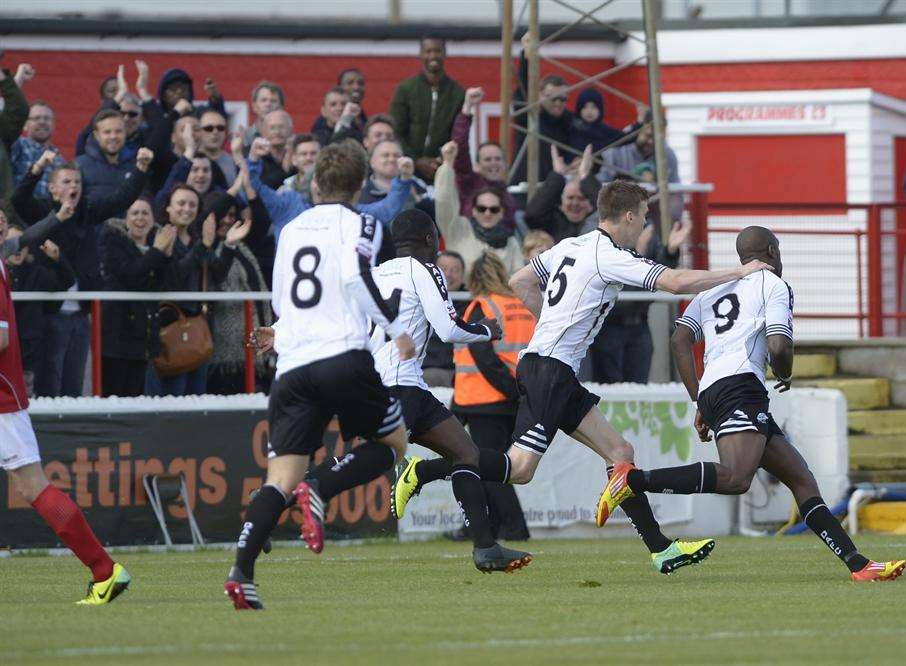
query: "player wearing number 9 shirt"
745, 324
323, 296
571, 288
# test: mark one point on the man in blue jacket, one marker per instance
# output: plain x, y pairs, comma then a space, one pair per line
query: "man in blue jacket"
103, 165
287, 204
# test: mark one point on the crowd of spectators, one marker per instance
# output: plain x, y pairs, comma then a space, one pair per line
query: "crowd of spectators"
161, 196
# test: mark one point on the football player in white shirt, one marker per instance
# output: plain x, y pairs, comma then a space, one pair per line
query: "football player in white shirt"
323, 296
418, 286
744, 324
579, 280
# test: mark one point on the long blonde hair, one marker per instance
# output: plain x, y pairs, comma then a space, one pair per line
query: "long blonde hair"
489, 276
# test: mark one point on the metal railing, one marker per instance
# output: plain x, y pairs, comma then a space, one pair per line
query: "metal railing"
248, 298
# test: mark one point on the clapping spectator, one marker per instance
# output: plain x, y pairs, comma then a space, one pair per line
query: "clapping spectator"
28, 149
378, 128
143, 117
561, 207
483, 231
213, 127
267, 96
491, 170
194, 265
136, 256
12, 118
424, 107
588, 126
226, 372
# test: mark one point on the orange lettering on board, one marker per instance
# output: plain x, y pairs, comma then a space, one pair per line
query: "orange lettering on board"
214, 486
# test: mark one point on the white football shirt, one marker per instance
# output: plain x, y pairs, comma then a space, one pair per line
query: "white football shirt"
420, 291
735, 319
583, 277
323, 292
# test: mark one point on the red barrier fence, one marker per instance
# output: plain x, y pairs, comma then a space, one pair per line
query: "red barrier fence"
845, 261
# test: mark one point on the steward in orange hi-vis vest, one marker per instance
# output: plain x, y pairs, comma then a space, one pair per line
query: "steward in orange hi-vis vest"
470, 387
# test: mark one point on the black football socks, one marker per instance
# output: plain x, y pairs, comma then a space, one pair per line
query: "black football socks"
700, 477
639, 512
469, 492
822, 522
260, 519
494, 467
364, 463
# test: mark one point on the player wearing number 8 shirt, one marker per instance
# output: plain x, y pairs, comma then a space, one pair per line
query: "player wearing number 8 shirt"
571, 288
744, 324
323, 296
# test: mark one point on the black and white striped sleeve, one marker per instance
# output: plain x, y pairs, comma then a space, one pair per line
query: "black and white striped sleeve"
359, 252
435, 299
779, 310
541, 265
618, 264
691, 318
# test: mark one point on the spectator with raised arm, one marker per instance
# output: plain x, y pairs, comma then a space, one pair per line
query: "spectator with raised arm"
484, 230
554, 119
562, 207
385, 168
285, 205
13, 117
491, 168
103, 165
141, 114
339, 118
424, 107
352, 82
136, 255
28, 149
34, 270
267, 96
378, 128
67, 332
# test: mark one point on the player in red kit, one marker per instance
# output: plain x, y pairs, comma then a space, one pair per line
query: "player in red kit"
19, 449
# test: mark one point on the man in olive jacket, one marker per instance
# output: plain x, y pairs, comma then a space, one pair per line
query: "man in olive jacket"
424, 107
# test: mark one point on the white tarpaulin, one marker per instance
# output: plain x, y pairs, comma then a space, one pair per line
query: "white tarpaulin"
657, 420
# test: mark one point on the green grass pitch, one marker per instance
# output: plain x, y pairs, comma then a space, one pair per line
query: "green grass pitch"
773, 601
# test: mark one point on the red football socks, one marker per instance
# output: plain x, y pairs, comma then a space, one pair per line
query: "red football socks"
67, 520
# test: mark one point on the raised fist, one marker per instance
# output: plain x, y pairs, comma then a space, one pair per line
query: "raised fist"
474, 97
406, 167
449, 151
183, 107
260, 148
24, 73
143, 158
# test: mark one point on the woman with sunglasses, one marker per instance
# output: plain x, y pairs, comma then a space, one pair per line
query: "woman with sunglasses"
483, 232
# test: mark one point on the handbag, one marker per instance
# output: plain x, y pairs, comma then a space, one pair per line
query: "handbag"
186, 343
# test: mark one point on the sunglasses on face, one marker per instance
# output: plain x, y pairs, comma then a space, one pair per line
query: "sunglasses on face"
132, 114
214, 128
560, 99
493, 210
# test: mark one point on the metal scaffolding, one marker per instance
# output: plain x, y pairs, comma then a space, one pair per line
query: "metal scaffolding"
530, 109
